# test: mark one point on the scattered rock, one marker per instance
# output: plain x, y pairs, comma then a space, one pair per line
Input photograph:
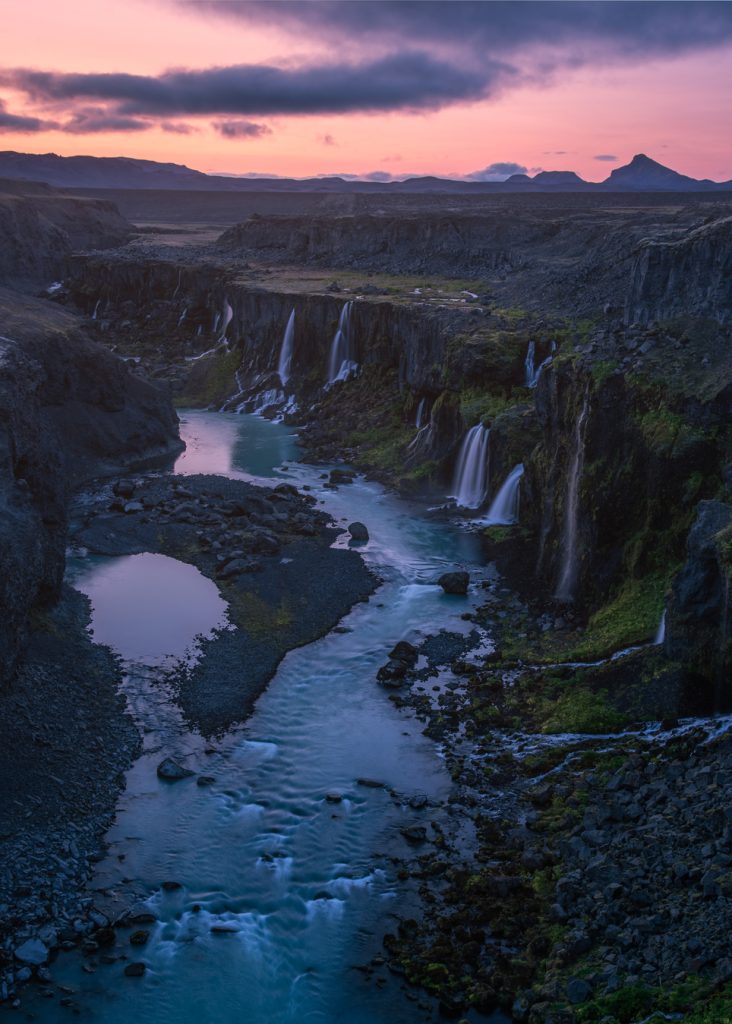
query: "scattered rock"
358, 532
135, 970
454, 582
32, 952
171, 771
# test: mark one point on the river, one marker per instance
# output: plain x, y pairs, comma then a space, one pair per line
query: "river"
282, 893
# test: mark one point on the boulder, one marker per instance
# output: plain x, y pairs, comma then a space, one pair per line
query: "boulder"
358, 532
454, 582
404, 651
171, 771
32, 952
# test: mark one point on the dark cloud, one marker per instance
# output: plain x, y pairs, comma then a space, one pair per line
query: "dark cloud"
641, 28
497, 172
609, 157
87, 122
378, 176
408, 80
17, 123
242, 129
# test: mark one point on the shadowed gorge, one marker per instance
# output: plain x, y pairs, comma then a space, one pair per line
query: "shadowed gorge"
369, 560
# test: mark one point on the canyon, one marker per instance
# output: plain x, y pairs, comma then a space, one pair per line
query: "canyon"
544, 383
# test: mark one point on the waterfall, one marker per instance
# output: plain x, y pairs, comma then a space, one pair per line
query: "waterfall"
96, 309
286, 351
341, 361
471, 472
504, 508
183, 315
568, 571
228, 316
661, 631
419, 422
532, 371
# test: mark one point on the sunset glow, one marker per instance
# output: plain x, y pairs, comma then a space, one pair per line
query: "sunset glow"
585, 103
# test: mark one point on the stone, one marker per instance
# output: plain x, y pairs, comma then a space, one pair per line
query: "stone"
133, 506
414, 834
404, 651
135, 970
171, 771
140, 937
392, 671
578, 990
454, 582
358, 532
124, 489
32, 952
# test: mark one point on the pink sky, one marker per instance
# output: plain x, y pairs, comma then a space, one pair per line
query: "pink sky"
674, 108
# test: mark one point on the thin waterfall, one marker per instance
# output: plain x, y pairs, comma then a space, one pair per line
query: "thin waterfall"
228, 316
568, 570
471, 472
421, 408
532, 372
341, 361
96, 309
286, 351
661, 631
504, 510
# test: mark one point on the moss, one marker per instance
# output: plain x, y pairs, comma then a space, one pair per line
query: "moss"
631, 617
580, 710
210, 381
248, 611
603, 369
480, 406
667, 433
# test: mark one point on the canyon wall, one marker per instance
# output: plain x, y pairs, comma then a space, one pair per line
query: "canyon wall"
69, 411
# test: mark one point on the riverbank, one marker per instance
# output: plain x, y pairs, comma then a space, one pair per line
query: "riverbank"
66, 741
598, 888
270, 553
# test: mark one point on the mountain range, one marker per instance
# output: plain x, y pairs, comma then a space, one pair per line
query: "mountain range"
641, 175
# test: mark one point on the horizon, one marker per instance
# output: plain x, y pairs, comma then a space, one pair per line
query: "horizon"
466, 91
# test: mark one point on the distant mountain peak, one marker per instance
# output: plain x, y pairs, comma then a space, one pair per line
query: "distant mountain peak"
643, 172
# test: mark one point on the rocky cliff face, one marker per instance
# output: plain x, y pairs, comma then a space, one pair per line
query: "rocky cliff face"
699, 621
430, 243
69, 411
689, 277
39, 231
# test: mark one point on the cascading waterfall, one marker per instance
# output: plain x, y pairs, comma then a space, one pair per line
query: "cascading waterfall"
341, 361
286, 350
504, 510
421, 409
568, 570
471, 473
228, 316
532, 371
661, 631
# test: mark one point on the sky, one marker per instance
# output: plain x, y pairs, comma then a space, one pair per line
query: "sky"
372, 88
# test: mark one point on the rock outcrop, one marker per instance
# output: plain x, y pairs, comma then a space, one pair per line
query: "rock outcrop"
699, 619
40, 228
69, 411
691, 276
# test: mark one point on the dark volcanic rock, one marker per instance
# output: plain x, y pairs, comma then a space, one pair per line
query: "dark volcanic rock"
171, 771
358, 532
69, 410
699, 618
454, 582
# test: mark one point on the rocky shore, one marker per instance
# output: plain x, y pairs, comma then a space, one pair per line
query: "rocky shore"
584, 870
267, 549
